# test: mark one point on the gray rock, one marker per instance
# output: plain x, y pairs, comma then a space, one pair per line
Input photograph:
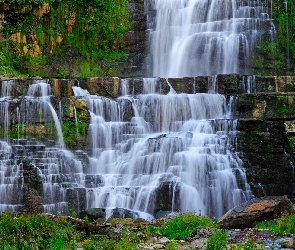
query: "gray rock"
93, 213
257, 209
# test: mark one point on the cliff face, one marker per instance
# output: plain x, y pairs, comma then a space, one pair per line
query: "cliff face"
64, 39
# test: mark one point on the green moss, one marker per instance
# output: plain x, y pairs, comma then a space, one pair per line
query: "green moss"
291, 142
271, 56
71, 130
283, 109
95, 34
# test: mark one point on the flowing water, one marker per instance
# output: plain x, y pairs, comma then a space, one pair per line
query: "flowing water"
153, 151
166, 140
59, 170
205, 37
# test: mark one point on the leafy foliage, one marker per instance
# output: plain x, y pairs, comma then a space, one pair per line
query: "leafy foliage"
248, 244
284, 224
23, 231
217, 241
181, 226
93, 28
277, 57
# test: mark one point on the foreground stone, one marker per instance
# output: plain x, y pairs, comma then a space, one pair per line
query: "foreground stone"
257, 209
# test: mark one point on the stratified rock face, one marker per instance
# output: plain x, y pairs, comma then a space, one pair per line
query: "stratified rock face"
258, 209
32, 189
135, 40
262, 145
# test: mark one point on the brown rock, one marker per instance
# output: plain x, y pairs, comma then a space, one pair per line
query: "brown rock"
257, 209
61, 88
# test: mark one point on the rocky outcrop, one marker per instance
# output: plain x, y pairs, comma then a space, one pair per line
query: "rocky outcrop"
93, 213
263, 147
135, 40
102, 86
258, 209
32, 188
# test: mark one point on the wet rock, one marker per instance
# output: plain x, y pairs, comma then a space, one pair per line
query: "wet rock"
61, 88
266, 106
102, 86
123, 213
76, 198
32, 188
288, 243
285, 83
199, 237
257, 209
154, 243
264, 150
265, 83
166, 198
93, 213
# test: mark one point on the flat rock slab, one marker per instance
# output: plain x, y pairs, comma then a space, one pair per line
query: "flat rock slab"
257, 209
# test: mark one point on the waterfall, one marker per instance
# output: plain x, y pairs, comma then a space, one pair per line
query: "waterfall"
42, 90
60, 172
202, 37
183, 141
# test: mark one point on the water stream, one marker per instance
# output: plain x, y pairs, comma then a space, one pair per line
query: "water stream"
166, 142
201, 37
150, 152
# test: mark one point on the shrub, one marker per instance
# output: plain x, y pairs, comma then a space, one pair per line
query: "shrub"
24, 231
217, 241
285, 224
181, 226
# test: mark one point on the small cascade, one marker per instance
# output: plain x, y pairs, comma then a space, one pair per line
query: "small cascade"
62, 175
6, 89
176, 144
150, 152
248, 84
11, 181
201, 37
41, 91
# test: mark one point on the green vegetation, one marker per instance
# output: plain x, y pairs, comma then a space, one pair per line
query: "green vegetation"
248, 244
291, 142
271, 56
69, 37
71, 130
217, 241
30, 231
181, 226
23, 231
285, 224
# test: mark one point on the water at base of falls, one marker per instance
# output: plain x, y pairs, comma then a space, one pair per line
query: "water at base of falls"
148, 153
205, 38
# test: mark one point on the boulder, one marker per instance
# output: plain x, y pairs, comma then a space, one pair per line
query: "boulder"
93, 213
257, 209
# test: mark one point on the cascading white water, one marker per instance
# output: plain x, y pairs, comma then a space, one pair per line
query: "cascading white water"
179, 139
42, 90
58, 168
11, 181
205, 37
